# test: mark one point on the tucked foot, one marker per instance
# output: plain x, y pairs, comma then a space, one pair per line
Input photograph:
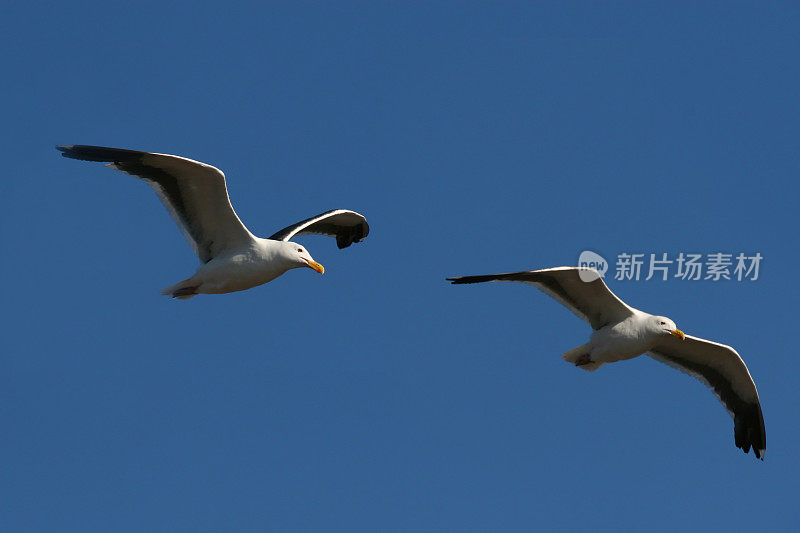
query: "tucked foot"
583, 360
184, 292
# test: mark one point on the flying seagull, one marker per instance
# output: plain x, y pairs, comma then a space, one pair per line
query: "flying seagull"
232, 259
622, 332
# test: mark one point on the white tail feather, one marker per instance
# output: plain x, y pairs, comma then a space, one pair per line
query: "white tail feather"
572, 356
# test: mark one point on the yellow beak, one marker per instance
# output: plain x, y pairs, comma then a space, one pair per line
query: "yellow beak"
678, 333
316, 266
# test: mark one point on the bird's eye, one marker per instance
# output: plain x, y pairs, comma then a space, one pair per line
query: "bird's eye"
301, 251
663, 323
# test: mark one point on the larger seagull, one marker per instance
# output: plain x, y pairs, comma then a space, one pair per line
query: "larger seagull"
232, 259
622, 332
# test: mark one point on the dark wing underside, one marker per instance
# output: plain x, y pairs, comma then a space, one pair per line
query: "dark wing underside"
347, 226
721, 369
194, 194
590, 300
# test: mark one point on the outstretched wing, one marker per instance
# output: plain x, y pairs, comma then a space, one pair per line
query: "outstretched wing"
590, 300
720, 368
194, 194
347, 226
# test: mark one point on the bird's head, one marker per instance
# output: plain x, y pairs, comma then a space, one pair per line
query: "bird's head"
665, 326
298, 256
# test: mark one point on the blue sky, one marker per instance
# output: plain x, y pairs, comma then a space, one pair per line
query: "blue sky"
476, 138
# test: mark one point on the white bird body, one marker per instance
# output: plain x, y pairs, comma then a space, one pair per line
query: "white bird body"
621, 340
259, 262
624, 339
232, 259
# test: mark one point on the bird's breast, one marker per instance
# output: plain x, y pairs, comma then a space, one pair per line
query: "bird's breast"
619, 341
239, 271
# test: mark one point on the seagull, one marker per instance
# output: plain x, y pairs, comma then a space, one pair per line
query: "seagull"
232, 259
622, 332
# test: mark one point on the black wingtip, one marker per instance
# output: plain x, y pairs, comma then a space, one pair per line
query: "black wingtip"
80, 152
465, 279
98, 153
355, 234
758, 453
749, 431
65, 149
470, 279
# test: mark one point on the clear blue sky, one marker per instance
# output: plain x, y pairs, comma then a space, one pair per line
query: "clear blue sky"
476, 138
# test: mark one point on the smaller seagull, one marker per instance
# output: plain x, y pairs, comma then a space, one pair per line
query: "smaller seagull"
232, 259
622, 332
